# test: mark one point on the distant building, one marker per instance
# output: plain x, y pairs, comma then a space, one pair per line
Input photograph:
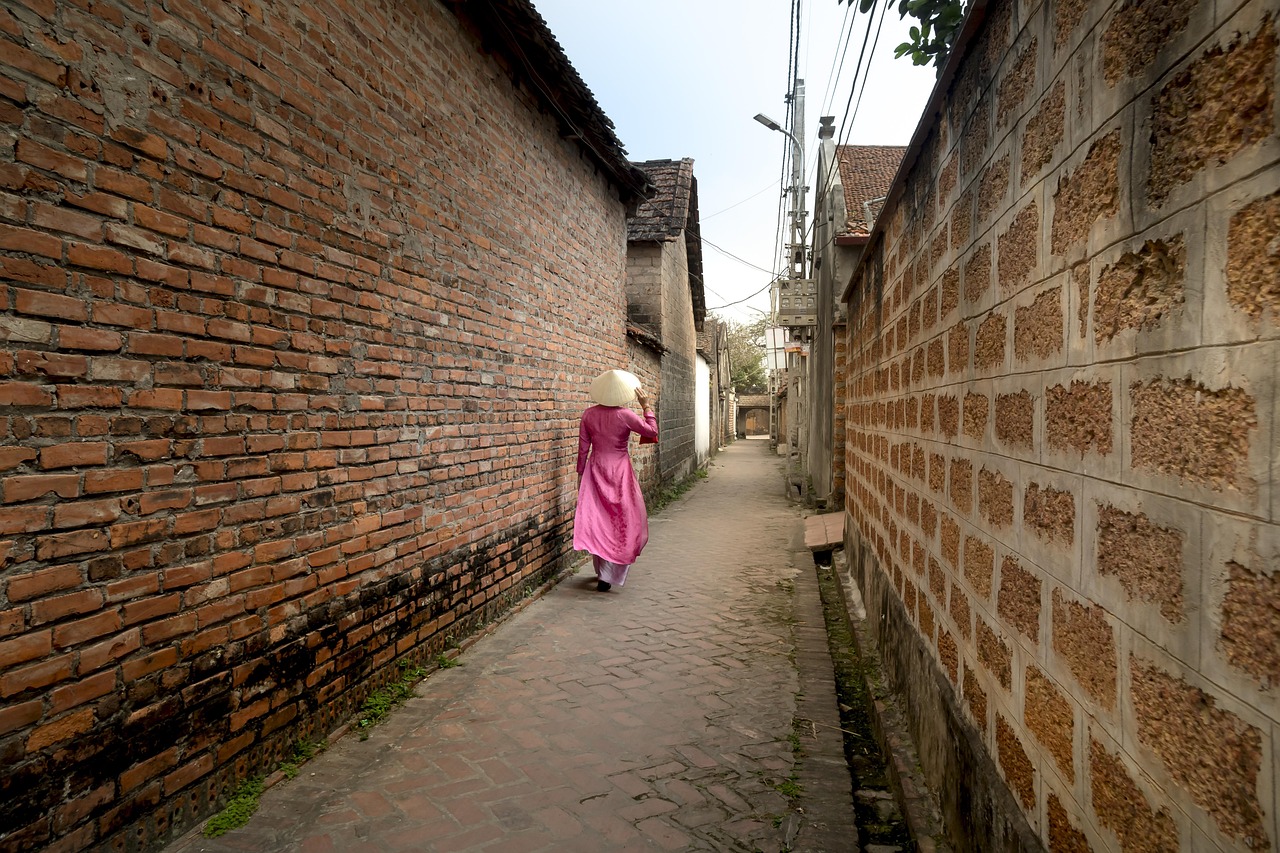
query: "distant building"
665, 311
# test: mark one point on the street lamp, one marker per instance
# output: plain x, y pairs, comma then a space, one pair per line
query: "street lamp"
797, 185
773, 126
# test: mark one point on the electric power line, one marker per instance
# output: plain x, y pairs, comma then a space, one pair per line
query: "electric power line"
735, 257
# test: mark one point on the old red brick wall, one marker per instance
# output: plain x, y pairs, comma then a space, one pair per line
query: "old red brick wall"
840, 341
293, 340
1062, 416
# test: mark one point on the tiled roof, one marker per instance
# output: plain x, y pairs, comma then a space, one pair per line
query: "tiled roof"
515, 31
665, 214
746, 401
670, 211
866, 171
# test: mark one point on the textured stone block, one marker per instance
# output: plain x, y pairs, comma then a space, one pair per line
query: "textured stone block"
1221, 104
1051, 720
1081, 278
1207, 750
974, 139
1018, 81
977, 411
937, 472
958, 348
995, 498
1043, 133
1079, 417
1063, 835
949, 298
1250, 633
1039, 329
1085, 640
976, 698
1137, 32
1067, 15
994, 654
948, 655
979, 565
961, 615
977, 274
989, 345
1012, 757
960, 484
993, 188
1140, 289
1018, 250
1145, 558
1015, 419
1019, 600
1253, 264
1089, 193
950, 541
1122, 807
1050, 513
1185, 429
949, 416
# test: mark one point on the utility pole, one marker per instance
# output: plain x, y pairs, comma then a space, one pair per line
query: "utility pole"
794, 294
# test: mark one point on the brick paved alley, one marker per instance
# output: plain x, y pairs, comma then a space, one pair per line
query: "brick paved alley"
658, 716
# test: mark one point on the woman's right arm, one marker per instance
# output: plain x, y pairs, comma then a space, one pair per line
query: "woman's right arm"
648, 425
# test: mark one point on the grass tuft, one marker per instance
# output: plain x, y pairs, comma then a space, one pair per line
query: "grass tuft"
381, 702
244, 802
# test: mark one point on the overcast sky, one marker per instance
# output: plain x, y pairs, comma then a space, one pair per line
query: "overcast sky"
683, 78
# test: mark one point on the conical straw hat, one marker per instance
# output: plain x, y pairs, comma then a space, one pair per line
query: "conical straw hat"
615, 388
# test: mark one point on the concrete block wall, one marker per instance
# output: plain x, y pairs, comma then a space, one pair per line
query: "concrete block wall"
293, 343
1062, 407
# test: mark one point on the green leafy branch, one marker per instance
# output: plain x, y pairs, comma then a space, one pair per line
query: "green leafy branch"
932, 38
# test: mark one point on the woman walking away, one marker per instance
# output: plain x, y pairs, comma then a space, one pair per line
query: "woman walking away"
611, 522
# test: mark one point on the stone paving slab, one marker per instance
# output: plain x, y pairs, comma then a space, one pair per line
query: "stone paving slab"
658, 716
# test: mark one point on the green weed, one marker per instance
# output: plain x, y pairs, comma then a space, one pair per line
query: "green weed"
244, 802
789, 788
303, 751
381, 702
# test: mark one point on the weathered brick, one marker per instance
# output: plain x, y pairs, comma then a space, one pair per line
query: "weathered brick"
60, 730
